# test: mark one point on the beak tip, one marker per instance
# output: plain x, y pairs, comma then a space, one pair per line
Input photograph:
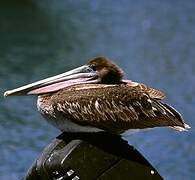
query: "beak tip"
6, 93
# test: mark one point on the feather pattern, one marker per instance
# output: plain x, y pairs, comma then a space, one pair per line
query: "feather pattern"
114, 108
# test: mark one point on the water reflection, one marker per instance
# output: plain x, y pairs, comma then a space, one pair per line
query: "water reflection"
152, 41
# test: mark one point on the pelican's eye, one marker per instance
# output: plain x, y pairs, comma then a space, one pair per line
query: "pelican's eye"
93, 67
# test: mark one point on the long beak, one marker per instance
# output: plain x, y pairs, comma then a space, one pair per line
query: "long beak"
80, 75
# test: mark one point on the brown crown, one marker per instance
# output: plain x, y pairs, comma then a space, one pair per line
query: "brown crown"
109, 73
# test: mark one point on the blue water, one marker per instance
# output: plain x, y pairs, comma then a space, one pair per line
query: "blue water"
153, 41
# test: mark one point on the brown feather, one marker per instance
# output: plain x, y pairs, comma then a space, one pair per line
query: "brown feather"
153, 93
114, 108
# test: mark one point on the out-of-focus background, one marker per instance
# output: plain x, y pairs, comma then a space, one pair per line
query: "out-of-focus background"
153, 41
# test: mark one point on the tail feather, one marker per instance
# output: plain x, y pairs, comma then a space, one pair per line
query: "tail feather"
179, 128
175, 119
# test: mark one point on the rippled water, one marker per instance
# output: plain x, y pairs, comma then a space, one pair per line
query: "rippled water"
153, 41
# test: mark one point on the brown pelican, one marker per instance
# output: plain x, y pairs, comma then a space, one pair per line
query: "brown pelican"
95, 97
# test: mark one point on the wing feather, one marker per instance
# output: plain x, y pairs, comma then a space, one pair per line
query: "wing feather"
116, 108
153, 93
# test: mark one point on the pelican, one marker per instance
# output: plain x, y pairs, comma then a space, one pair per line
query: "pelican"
95, 97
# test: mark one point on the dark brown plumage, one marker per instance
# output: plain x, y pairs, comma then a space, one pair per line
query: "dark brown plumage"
108, 72
114, 108
105, 102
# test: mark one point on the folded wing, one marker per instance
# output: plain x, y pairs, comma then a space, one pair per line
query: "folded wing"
118, 108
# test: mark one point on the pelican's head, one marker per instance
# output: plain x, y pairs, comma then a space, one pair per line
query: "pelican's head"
107, 71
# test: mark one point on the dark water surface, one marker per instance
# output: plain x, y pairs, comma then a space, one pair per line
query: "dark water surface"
153, 41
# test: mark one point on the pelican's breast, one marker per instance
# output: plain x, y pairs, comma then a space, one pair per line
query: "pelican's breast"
45, 107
